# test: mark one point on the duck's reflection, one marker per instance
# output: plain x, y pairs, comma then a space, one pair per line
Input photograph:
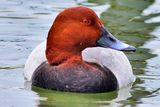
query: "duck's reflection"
68, 99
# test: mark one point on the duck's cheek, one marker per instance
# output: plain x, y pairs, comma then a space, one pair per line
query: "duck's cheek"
92, 34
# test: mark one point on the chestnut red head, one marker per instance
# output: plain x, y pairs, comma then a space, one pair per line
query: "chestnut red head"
75, 29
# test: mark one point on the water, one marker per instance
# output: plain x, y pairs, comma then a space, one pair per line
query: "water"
24, 24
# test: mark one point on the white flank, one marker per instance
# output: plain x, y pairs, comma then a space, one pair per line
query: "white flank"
115, 60
36, 57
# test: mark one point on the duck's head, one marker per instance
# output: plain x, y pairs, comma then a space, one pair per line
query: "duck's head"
75, 29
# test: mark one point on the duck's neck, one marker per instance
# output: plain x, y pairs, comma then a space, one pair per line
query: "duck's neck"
56, 56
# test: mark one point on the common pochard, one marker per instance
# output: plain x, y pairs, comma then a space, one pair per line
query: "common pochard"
79, 55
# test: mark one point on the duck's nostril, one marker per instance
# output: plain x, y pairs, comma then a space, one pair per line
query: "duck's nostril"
111, 39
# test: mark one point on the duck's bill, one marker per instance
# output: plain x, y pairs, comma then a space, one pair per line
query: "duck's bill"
109, 41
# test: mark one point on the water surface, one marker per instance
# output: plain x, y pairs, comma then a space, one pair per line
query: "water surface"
24, 24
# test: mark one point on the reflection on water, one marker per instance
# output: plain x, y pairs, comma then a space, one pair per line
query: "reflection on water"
24, 24
65, 99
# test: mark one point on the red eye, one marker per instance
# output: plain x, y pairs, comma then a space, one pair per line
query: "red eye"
87, 22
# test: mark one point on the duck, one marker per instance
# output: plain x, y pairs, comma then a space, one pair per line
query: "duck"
79, 55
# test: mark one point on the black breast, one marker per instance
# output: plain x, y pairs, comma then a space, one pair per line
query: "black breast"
77, 77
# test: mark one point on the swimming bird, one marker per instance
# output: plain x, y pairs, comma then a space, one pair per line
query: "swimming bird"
79, 55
